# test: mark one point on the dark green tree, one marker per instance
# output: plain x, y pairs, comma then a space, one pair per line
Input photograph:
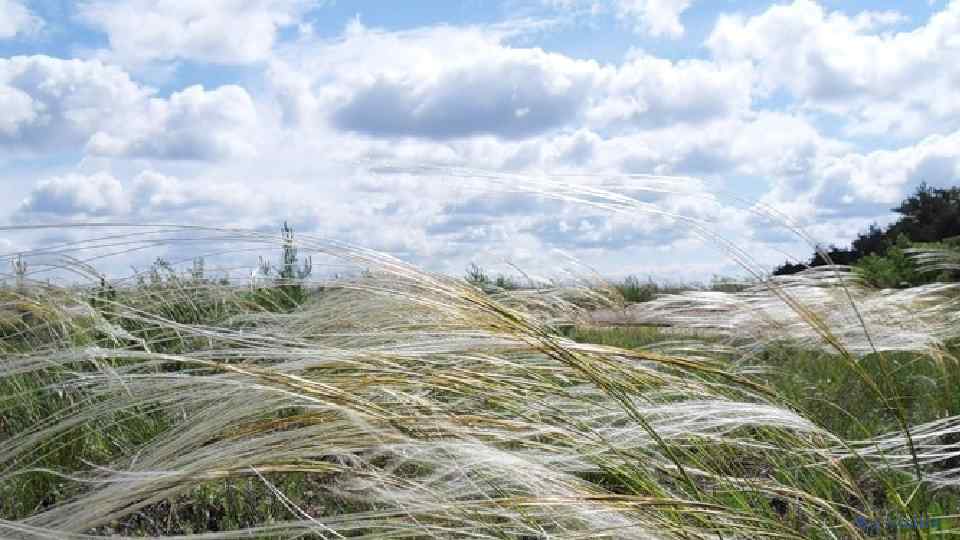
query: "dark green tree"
872, 242
930, 215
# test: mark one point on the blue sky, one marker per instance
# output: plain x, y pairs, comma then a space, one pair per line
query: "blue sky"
245, 113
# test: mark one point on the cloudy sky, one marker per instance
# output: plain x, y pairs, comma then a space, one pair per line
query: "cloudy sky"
421, 130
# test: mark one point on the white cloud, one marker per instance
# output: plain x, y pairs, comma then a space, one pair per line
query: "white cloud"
754, 144
516, 93
646, 91
148, 194
445, 83
874, 81
16, 110
16, 19
843, 188
192, 124
438, 83
212, 199
654, 17
885, 177
221, 31
49, 104
77, 195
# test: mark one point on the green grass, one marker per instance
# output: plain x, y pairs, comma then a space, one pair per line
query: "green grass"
627, 337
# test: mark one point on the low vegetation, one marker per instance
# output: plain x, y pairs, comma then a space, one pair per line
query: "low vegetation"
398, 403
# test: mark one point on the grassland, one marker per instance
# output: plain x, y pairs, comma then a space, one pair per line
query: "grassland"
403, 404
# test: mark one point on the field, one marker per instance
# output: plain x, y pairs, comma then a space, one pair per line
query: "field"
397, 403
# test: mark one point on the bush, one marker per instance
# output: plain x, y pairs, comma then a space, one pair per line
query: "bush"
894, 269
633, 290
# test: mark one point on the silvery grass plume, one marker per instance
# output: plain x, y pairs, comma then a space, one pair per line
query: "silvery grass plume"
838, 311
412, 405
938, 259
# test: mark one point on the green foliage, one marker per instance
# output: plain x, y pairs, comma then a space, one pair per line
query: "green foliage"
893, 269
103, 295
728, 285
836, 397
28, 400
280, 298
898, 268
634, 290
628, 337
198, 272
505, 282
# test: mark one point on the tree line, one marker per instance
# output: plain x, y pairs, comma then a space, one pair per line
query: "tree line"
930, 216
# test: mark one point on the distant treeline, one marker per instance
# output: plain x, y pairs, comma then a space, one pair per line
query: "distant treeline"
929, 216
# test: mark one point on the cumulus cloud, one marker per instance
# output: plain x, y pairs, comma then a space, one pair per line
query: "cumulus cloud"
443, 83
146, 194
192, 124
646, 91
210, 199
851, 66
761, 144
860, 187
51, 104
514, 96
77, 195
221, 31
886, 176
47, 103
17, 20
436, 83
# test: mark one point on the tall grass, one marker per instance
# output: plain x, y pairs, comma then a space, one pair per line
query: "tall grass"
406, 404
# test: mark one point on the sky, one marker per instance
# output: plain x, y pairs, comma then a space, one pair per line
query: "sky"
432, 130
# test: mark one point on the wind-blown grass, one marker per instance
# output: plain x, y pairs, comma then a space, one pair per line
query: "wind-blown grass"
406, 404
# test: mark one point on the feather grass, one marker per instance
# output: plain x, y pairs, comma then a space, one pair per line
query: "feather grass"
414, 405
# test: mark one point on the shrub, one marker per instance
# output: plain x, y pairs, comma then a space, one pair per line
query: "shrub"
633, 290
894, 269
